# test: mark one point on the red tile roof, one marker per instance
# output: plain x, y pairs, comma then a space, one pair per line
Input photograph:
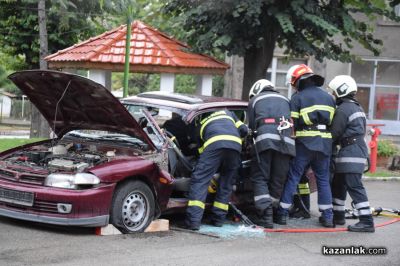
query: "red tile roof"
151, 51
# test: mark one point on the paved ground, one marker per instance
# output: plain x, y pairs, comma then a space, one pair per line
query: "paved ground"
23, 243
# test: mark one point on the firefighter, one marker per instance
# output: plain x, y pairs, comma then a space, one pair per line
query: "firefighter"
268, 115
348, 131
220, 136
312, 110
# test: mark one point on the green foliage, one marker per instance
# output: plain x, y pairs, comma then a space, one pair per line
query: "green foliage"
387, 148
6, 144
68, 22
310, 28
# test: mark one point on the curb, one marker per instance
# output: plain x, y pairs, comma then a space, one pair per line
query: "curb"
381, 178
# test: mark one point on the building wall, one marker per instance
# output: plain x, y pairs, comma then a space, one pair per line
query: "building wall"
378, 78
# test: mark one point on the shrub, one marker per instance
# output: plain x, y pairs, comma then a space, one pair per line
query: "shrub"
386, 148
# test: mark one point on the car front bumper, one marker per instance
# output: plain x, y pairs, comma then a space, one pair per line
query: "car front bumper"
84, 222
89, 207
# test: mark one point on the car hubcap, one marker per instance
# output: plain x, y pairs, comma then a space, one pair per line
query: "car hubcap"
134, 210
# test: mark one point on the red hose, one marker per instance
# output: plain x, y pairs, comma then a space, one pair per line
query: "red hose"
321, 230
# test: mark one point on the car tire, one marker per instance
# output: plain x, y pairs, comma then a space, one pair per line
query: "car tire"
133, 207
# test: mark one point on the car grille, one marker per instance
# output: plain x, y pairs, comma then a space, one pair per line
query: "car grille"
38, 206
32, 179
28, 178
45, 206
8, 175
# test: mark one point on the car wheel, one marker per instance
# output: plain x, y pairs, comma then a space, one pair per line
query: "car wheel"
133, 207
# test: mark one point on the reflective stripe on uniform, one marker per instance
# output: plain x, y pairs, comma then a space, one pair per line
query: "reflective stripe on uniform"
351, 160
196, 203
311, 133
221, 206
338, 201
213, 119
218, 138
303, 185
304, 189
264, 196
305, 111
362, 205
356, 115
338, 208
285, 205
325, 207
295, 114
239, 123
267, 96
274, 136
364, 212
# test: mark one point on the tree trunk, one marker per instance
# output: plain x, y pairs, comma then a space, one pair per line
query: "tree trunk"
39, 125
233, 79
256, 62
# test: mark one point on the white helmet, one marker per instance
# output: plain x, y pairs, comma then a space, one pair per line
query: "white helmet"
258, 86
342, 85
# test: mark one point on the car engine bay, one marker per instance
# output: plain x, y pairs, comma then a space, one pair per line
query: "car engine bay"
63, 157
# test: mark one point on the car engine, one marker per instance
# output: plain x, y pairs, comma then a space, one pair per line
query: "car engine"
67, 157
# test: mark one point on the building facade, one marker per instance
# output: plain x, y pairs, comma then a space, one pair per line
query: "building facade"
378, 78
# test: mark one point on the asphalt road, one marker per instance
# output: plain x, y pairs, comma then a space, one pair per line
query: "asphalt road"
23, 243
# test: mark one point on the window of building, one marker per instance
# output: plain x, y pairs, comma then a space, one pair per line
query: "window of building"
397, 10
378, 88
276, 73
384, 21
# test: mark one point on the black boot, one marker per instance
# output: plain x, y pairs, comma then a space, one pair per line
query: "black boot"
300, 214
366, 224
280, 219
326, 222
339, 218
305, 198
266, 220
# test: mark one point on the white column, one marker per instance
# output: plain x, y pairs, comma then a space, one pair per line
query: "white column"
204, 85
101, 76
167, 82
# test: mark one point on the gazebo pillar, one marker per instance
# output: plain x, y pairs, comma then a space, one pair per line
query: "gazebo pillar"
101, 76
204, 85
167, 82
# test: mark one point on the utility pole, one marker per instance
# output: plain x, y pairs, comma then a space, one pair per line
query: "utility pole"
127, 54
39, 126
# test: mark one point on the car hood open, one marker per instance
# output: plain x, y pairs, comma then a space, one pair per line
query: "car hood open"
80, 103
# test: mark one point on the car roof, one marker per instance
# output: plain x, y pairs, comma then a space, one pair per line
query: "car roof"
186, 105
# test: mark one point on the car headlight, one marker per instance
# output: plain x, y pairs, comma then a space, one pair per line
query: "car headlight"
71, 181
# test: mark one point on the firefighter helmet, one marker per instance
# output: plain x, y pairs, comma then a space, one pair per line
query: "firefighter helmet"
259, 85
343, 85
301, 72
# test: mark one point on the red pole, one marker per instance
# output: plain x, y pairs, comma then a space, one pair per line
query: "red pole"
373, 144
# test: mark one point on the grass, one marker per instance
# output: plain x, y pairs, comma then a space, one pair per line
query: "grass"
383, 173
6, 144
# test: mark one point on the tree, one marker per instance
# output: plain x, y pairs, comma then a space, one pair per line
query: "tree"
25, 34
68, 22
252, 28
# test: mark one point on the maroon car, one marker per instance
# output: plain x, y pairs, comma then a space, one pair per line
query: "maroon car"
123, 164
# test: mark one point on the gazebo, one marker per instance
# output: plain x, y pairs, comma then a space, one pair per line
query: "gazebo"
151, 51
